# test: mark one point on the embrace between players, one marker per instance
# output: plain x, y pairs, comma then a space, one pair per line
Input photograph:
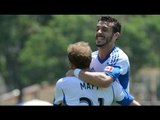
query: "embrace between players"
97, 78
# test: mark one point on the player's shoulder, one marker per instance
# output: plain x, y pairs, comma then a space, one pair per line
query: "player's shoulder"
121, 53
67, 80
63, 79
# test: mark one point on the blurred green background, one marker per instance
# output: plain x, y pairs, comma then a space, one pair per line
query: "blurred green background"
33, 53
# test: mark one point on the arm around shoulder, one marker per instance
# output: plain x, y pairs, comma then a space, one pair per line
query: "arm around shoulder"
99, 79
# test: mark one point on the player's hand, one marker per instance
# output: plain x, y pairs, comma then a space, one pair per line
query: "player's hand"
70, 72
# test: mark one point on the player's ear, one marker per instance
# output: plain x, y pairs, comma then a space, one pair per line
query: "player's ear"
116, 35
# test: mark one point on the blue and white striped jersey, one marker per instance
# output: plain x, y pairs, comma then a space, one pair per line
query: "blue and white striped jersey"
73, 92
116, 65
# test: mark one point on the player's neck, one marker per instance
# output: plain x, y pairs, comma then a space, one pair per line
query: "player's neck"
86, 69
74, 67
103, 52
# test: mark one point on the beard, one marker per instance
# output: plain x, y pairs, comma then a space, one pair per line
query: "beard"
108, 40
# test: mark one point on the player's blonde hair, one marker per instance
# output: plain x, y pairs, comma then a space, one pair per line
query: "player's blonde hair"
79, 54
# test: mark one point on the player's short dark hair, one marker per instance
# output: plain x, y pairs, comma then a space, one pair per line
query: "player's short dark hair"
117, 24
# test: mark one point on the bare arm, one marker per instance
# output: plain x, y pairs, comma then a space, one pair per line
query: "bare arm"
135, 103
99, 79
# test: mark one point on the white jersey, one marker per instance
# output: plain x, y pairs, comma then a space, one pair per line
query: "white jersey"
73, 92
116, 65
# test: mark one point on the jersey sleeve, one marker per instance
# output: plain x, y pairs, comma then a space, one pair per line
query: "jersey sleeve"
120, 71
124, 65
58, 94
120, 95
113, 71
118, 64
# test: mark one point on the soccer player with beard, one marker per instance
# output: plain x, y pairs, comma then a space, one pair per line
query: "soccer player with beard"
109, 63
71, 91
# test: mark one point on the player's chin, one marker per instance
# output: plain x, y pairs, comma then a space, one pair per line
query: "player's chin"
98, 42
99, 45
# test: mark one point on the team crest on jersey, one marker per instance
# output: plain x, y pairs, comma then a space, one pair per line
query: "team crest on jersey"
109, 68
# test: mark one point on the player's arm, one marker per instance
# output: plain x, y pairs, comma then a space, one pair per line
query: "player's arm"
135, 103
129, 101
99, 79
122, 97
